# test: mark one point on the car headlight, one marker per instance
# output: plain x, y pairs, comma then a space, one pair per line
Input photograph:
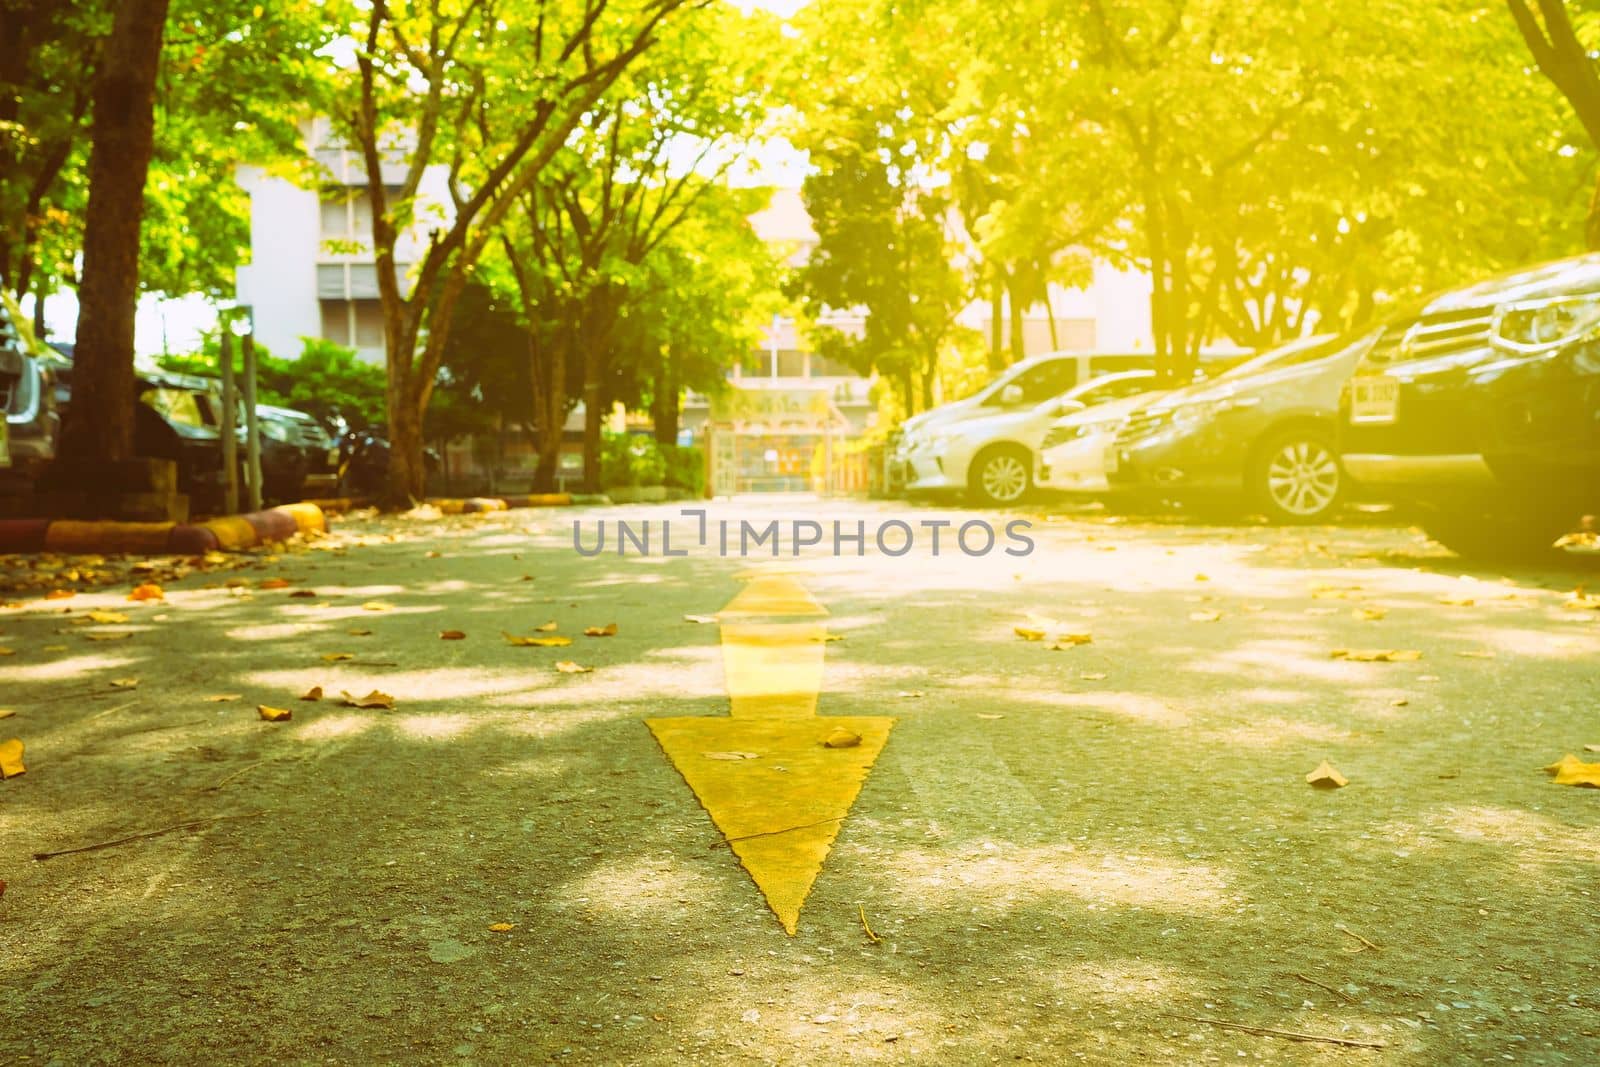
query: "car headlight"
1539, 325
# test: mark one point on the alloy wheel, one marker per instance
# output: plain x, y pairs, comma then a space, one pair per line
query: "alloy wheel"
1004, 478
1303, 478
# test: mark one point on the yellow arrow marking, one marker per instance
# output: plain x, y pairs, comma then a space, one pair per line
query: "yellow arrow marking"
764, 776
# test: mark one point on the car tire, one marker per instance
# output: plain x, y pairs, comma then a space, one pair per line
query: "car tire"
1498, 536
1000, 475
1296, 477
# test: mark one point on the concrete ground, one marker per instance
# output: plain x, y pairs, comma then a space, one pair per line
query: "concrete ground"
1073, 855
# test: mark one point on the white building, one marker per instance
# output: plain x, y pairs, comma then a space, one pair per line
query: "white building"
312, 272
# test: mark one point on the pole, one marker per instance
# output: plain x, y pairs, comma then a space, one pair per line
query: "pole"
230, 412
252, 431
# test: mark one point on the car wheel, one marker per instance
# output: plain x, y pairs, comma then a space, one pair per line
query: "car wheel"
1001, 475
1526, 537
1297, 477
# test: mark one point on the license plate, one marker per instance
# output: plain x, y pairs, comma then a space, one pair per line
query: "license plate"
1374, 399
5, 442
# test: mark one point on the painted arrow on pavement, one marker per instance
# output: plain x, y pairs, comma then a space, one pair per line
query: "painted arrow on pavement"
774, 790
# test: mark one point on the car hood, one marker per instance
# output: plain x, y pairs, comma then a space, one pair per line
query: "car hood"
1339, 365
1578, 274
942, 415
1111, 409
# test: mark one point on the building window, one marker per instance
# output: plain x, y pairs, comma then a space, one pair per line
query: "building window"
823, 367
353, 323
347, 213
791, 364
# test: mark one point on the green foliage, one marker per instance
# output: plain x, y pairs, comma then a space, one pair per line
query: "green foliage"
327, 378
631, 460
685, 467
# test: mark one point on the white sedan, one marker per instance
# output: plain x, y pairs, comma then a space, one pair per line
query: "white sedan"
1077, 451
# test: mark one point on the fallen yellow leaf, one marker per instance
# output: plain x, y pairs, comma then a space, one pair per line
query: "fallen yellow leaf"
11, 758
373, 699
273, 583
548, 628
335, 657
1581, 602
566, 666
1028, 634
536, 642
304, 594
1071, 640
6, 713
108, 635
451, 635
358, 632
730, 757
500, 928
1202, 578
842, 738
146, 591
314, 693
223, 698
376, 605
1204, 616
8, 652
1326, 777
1092, 676
104, 617
272, 714
1479, 653
1570, 770
1458, 601
1370, 614
1377, 655
608, 630
1399, 702
124, 683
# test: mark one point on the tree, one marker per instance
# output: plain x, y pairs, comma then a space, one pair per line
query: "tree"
491, 90
1570, 65
100, 426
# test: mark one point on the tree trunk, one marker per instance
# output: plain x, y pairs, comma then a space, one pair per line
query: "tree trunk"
1019, 339
665, 410
550, 402
593, 416
100, 424
406, 475
997, 323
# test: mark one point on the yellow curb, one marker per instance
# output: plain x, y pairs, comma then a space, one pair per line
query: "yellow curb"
66, 535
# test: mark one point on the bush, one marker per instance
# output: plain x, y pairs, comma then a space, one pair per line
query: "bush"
631, 460
686, 467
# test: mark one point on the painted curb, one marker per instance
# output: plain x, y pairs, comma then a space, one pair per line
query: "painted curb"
457, 505
227, 534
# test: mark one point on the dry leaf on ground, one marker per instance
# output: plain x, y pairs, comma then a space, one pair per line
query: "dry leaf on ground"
11, 758
981, 715
730, 757
1370, 614
304, 594
909, 694
1377, 655
1028, 634
376, 605
1479, 653
373, 699
223, 698
501, 928
8, 652
1326, 777
1399, 702
842, 738
1092, 676
1458, 601
273, 583
108, 635
548, 628
536, 642
336, 657
105, 617
1570, 770
1581, 602
271, 714
700, 618
359, 632
608, 630
147, 591
1204, 616
567, 666
124, 683
63, 594
6, 713
451, 635
314, 693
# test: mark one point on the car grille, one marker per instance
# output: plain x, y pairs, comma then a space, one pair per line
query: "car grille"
1142, 424
1431, 336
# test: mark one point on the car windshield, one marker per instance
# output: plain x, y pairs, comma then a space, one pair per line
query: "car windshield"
1038, 382
178, 406
1110, 387
1293, 354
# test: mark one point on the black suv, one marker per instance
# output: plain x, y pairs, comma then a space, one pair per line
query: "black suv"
1483, 407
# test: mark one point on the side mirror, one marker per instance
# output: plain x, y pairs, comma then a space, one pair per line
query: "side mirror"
1066, 406
1011, 395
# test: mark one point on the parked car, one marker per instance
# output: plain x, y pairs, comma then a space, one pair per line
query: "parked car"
1073, 457
1483, 408
30, 429
990, 454
1264, 432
